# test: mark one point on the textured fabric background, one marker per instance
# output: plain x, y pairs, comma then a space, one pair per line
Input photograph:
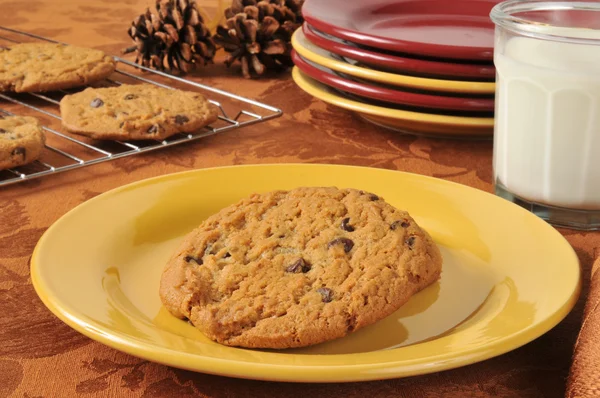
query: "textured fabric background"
584, 379
42, 357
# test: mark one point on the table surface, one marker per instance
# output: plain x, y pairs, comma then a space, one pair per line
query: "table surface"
41, 356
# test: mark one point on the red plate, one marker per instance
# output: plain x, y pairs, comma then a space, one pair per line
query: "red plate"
458, 29
380, 93
397, 63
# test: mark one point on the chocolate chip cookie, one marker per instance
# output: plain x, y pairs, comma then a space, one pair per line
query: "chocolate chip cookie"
295, 268
21, 141
37, 67
135, 112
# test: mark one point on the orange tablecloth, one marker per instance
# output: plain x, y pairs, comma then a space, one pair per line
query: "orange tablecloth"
41, 356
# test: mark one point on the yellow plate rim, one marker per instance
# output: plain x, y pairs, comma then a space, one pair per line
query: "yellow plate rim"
471, 133
291, 373
324, 93
319, 56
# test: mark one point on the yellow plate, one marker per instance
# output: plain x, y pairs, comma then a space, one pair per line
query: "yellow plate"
508, 276
430, 129
322, 57
436, 122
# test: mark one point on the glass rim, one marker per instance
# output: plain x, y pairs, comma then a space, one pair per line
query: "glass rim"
503, 16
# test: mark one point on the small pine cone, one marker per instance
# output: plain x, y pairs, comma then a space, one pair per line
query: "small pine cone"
173, 37
258, 34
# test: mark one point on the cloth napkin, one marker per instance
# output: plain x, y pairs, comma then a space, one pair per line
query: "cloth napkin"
584, 378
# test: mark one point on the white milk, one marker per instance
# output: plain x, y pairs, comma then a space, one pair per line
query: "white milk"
547, 129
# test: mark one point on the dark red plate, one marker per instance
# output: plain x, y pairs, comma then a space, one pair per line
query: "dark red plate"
380, 93
457, 29
398, 63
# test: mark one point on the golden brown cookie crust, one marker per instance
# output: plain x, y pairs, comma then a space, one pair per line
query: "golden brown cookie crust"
38, 67
135, 112
296, 268
21, 141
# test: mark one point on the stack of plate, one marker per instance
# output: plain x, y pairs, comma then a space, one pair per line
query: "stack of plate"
417, 66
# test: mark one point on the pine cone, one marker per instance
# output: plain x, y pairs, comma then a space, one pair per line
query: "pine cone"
175, 37
258, 34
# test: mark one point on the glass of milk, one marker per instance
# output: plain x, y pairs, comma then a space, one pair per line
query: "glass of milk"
547, 119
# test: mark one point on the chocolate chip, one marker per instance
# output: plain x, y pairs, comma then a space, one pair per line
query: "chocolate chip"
96, 103
411, 241
2, 131
326, 294
19, 151
348, 243
130, 97
155, 128
181, 119
189, 259
121, 124
396, 224
371, 196
227, 255
346, 226
298, 266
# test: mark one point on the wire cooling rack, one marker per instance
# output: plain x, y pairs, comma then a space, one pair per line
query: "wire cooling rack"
64, 151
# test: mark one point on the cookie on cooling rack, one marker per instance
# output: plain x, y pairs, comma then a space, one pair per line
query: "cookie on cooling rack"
21, 141
38, 67
295, 268
135, 112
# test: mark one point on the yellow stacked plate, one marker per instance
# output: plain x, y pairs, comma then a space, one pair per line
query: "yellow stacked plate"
405, 121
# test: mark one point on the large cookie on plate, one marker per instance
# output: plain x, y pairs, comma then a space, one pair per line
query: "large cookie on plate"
295, 268
21, 141
37, 67
135, 112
